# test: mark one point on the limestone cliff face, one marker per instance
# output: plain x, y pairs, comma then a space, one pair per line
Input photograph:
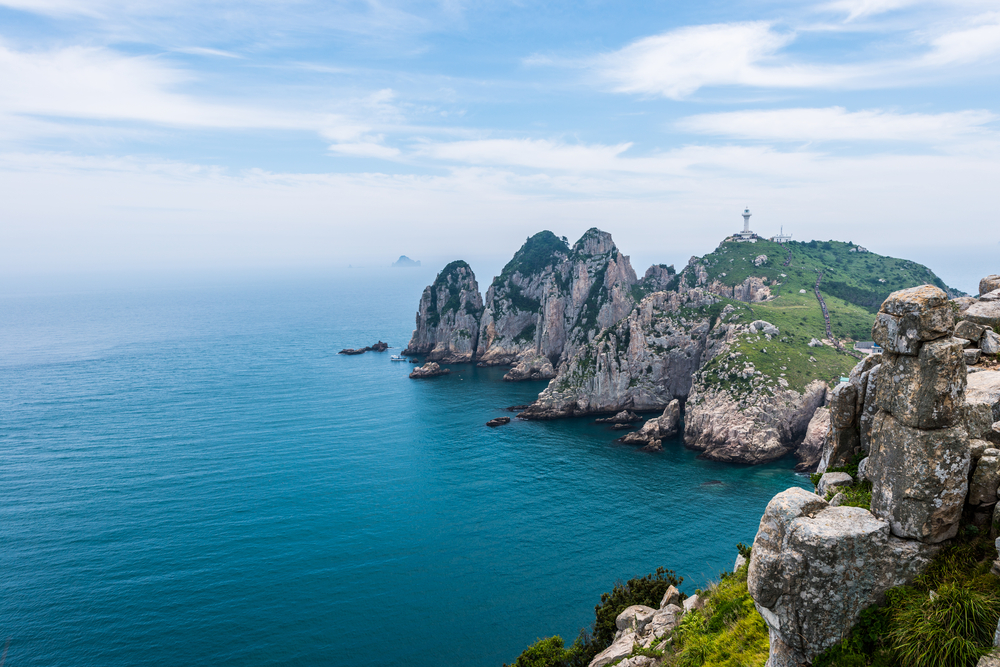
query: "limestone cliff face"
642, 362
551, 299
448, 316
761, 425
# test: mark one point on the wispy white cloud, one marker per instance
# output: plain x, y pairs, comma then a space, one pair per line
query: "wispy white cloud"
838, 124
968, 45
204, 51
532, 153
855, 9
680, 62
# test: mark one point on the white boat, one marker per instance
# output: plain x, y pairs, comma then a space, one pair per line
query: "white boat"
396, 357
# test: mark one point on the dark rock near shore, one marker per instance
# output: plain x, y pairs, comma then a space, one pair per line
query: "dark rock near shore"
377, 347
499, 421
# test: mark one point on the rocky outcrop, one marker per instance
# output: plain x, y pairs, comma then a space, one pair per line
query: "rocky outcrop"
377, 347
989, 283
448, 317
531, 368
751, 290
927, 465
814, 568
639, 626
641, 363
763, 424
429, 370
551, 299
655, 431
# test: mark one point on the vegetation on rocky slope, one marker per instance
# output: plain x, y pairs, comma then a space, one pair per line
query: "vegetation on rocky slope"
946, 618
647, 590
539, 251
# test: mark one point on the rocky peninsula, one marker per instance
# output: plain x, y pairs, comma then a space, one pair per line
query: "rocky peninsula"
738, 337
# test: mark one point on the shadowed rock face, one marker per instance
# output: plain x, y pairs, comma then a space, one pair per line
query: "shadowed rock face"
448, 316
550, 299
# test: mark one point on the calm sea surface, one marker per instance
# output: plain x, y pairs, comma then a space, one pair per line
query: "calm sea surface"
194, 476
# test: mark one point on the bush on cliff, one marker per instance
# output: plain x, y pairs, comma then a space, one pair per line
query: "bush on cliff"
647, 590
946, 618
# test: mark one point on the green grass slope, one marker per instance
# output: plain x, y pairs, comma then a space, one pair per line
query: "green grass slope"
853, 286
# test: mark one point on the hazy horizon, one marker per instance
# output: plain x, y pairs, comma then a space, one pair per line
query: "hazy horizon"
140, 138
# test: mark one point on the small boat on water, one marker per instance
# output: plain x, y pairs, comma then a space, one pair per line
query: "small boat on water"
396, 357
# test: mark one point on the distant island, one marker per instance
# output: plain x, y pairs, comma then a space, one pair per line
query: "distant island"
405, 262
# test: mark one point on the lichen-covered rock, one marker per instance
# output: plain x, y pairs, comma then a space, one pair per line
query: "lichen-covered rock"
989, 283
985, 312
840, 447
911, 316
925, 391
550, 299
983, 388
843, 405
985, 480
990, 343
831, 480
919, 478
814, 568
754, 428
448, 316
811, 449
969, 331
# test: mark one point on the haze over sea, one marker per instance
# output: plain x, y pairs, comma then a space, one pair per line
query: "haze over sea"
192, 475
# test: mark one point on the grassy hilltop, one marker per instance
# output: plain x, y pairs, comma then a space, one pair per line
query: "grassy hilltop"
853, 284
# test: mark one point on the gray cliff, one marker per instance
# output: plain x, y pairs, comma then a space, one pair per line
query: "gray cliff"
448, 316
551, 299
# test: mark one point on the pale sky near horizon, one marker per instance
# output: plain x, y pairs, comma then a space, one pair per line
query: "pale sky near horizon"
182, 136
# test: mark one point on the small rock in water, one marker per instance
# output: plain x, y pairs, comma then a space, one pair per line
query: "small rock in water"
499, 421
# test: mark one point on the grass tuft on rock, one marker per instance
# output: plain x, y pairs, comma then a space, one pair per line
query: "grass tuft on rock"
945, 618
728, 632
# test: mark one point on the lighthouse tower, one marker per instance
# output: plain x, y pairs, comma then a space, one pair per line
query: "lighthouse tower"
746, 236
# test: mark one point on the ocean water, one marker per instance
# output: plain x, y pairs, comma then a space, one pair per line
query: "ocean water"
192, 475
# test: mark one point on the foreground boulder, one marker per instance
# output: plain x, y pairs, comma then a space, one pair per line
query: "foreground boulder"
814, 568
919, 478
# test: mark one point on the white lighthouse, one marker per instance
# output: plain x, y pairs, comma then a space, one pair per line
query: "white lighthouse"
746, 236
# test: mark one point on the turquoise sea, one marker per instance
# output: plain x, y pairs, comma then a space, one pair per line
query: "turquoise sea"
191, 475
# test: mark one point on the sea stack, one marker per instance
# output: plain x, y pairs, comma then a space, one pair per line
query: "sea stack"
448, 317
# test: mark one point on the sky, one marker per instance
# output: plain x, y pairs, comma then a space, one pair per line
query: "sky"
223, 135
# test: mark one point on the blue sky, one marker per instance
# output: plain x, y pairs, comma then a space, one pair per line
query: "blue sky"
182, 135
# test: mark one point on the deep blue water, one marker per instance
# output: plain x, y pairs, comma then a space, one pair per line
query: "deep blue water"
193, 476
